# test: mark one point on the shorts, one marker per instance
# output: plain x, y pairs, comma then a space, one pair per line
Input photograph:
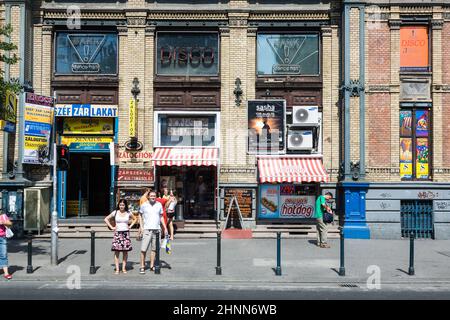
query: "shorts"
3, 252
149, 238
170, 215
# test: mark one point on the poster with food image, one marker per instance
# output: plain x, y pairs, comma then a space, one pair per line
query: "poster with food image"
422, 152
422, 123
405, 123
268, 201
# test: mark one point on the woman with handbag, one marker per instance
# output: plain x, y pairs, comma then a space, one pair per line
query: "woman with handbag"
5, 223
118, 221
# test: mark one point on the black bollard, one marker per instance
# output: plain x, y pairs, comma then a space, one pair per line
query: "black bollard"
30, 253
158, 249
411, 254
342, 266
92, 268
218, 268
278, 269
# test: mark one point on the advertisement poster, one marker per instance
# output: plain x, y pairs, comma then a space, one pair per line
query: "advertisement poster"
297, 206
414, 46
38, 114
87, 143
422, 123
88, 126
141, 175
8, 112
266, 126
244, 198
405, 123
422, 158
406, 158
268, 202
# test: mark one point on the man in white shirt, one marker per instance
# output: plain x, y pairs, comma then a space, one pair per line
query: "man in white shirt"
150, 220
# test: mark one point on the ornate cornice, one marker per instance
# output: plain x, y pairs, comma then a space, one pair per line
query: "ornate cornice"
85, 15
47, 30
326, 31
186, 16
136, 21
437, 24
395, 24
290, 16
416, 9
224, 31
150, 30
252, 32
238, 21
122, 30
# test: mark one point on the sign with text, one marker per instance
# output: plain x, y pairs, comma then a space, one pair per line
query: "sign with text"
86, 110
133, 118
414, 47
8, 112
244, 198
38, 123
87, 143
133, 156
266, 126
88, 126
144, 175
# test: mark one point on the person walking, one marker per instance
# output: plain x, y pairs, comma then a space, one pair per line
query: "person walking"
321, 208
170, 208
150, 220
121, 241
4, 223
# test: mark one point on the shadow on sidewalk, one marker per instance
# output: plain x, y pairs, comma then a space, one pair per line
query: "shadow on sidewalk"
22, 247
72, 253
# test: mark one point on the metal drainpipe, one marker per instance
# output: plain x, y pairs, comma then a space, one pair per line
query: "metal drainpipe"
347, 173
7, 78
362, 96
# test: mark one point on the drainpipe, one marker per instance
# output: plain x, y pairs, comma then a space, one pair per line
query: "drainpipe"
346, 23
362, 94
7, 78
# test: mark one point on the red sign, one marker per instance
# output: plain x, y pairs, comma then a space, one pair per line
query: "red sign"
136, 175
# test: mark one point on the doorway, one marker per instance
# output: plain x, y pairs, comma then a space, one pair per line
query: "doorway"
88, 184
195, 188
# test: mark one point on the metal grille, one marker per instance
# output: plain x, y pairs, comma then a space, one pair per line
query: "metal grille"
417, 217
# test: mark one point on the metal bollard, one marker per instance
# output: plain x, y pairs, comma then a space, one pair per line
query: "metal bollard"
278, 269
219, 243
342, 267
411, 254
158, 249
92, 268
30, 253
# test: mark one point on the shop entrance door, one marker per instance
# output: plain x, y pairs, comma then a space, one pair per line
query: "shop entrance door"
195, 187
88, 184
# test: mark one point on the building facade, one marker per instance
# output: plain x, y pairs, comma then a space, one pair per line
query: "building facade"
271, 102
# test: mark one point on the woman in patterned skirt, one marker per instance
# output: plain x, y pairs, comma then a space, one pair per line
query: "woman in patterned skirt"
121, 241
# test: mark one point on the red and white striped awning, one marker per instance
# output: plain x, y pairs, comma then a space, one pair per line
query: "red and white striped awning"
291, 170
185, 157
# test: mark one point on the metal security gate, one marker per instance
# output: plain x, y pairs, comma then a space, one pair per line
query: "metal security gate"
417, 217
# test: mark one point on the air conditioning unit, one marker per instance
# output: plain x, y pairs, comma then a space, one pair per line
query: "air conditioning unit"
36, 208
305, 116
300, 140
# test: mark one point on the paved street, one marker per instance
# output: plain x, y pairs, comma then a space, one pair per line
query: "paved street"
248, 268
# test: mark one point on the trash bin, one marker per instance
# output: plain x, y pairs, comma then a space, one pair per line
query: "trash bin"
179, 212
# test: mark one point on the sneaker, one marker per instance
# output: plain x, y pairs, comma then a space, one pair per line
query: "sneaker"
325, 245
7, 276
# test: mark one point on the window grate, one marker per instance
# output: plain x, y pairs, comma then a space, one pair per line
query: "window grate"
417, 217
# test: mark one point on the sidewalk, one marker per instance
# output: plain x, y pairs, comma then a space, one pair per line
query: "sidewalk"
243, 261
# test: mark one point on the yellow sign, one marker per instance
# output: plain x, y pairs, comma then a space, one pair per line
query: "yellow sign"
406, 170
422, 170
88, 125
8, 110
69, 140
39, 114
133, 117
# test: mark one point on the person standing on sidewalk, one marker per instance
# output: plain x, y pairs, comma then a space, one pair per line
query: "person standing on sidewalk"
4, 222
150, 220
121, 241
321, 208
170, 208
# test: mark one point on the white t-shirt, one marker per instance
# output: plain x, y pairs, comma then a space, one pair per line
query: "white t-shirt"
122, 221
151, 215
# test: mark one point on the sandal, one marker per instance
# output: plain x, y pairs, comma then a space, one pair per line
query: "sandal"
152, 268
7, 276
141, 270
124, 271
116, 272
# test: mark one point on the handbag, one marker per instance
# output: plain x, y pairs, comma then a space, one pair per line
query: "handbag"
9, 233
327, 217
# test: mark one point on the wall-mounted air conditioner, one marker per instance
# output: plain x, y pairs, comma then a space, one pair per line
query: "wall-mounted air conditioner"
300, 140
305, 116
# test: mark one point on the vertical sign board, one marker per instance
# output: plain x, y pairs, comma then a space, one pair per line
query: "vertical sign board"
38, 123
133, 117
244, 198
414, 47
266, 126
8, 112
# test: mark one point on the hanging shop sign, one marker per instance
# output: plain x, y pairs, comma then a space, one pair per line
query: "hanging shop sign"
86, 53
86, 110
136, 175
131, 156
266, 126
187, 53
133, 118
88, 126
414, 47
79, 143
288, 54
286, 201
38, 123
8, 112
245, 200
